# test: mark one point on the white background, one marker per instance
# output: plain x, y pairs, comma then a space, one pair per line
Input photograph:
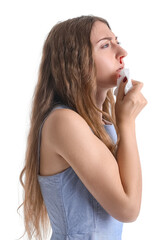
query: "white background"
141, 27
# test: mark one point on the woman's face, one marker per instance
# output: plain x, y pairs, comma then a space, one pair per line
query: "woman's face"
107, 54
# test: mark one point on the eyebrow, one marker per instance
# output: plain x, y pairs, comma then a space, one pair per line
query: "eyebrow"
106, 38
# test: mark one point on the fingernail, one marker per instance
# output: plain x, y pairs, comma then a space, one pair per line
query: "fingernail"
125, 79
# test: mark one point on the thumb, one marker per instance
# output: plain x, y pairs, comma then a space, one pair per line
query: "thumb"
121, 88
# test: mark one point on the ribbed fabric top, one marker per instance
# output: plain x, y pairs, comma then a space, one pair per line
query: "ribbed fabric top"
73, 211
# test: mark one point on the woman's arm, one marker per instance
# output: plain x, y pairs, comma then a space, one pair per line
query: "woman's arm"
71, 138
127, 108
129, 166
116, 186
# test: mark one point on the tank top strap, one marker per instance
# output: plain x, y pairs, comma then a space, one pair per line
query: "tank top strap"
58, 106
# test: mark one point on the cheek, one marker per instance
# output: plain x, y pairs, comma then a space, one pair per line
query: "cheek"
106, 72
105, 68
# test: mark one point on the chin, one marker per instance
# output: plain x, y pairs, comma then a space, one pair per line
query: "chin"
114, 81
108, 82
115, 77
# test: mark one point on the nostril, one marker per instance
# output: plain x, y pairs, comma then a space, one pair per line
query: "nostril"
121, 59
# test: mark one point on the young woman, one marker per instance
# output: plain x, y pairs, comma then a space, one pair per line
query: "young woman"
82, 167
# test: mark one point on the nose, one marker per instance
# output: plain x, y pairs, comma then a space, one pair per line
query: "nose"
121, 55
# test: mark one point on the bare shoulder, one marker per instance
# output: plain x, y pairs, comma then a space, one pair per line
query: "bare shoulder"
64, 123
65, 114
63, 119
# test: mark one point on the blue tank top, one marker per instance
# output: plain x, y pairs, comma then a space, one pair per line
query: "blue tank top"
73, 211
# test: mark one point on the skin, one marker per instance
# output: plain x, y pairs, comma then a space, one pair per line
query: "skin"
108, 56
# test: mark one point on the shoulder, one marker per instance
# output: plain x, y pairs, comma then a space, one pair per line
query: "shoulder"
63, 124
67, 113
65, 117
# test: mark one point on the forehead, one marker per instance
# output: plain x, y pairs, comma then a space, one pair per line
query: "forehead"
100, 30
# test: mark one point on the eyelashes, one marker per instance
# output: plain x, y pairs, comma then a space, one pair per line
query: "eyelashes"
107, 45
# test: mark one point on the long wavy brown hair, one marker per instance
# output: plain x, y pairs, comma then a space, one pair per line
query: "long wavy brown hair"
67, 75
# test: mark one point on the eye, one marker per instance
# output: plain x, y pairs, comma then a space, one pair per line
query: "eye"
106, 45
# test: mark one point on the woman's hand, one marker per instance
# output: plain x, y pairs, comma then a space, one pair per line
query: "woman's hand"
128, 106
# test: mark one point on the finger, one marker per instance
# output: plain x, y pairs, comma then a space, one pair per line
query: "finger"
137, 85
144, 101
121, 88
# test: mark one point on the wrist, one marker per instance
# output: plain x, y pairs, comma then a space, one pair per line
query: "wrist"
126, 125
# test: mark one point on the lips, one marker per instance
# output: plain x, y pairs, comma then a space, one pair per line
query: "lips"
120, 68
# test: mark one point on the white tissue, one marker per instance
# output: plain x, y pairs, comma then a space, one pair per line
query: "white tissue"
124, 72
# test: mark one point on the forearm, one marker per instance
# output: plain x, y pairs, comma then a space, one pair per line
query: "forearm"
129, 164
